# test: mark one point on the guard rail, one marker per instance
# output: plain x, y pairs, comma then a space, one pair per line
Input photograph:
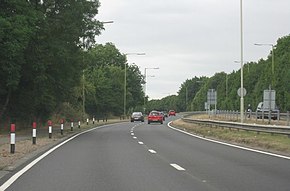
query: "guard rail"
273, 129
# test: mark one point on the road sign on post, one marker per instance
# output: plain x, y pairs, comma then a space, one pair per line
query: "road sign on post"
269, 102
240, 90
269, 98
212, 98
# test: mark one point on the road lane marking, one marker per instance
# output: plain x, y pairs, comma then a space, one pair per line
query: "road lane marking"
134, 137
132, 133
141, 143
152, 151
228, 144
177, 167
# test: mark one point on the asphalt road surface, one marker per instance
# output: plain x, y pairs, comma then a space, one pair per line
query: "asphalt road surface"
137, 156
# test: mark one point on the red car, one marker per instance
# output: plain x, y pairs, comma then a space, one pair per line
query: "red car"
171, 112
155, 116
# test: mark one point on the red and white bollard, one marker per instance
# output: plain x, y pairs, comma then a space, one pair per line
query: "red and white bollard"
72, 125
12, 138
49, 128
34, 133
61, 126
79, 123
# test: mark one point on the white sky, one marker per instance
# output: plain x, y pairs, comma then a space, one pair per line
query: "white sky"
188, 38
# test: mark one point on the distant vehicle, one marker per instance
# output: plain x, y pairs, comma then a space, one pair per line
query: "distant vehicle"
261, 109
137, 116
162, 113
165, 114
171, 113
155, 116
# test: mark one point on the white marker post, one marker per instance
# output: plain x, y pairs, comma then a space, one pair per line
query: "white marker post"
72, 125
93, 120
79, 124
61, 126
87, 121
34, 133
12, 138
49, 128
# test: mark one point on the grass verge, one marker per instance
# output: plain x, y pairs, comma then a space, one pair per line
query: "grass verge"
279, 144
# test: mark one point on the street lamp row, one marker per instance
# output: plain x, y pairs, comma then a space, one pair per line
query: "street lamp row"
258, 44
145, 78
125, 80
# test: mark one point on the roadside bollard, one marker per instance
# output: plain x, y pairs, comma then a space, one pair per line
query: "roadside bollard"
12, 138
34, 133
61, 126
72, 125
49, 128
287, 118
79, 124
93, 120
87, 121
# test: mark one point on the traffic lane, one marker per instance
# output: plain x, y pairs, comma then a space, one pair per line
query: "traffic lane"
105, 159
223, 167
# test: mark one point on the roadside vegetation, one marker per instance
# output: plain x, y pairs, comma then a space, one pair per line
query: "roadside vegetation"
52, 68
258, 76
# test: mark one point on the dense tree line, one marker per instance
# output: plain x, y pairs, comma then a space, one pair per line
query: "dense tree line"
51, 66
49, 56
258, 76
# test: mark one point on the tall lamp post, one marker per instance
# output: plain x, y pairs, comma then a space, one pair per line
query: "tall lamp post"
83, 92
186, 97
125, 81
145, 76
245, 62
242, 62
258, 44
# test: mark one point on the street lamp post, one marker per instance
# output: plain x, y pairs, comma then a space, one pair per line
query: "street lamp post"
107, 22
125, 80
242, 62
258, 44
156, 68
83, 84
245, 62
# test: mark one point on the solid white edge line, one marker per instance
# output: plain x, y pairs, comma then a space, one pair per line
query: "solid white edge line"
13, 178
228, 144
177, 167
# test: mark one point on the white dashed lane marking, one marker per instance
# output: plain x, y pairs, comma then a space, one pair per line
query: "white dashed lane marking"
177, 167
141, 143
152, 151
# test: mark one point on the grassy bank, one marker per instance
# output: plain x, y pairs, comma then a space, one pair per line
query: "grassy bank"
263, 141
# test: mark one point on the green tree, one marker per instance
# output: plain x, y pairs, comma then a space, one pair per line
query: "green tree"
44, 53
105, 71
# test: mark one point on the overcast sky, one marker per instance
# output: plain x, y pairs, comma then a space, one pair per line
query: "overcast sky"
188, 38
